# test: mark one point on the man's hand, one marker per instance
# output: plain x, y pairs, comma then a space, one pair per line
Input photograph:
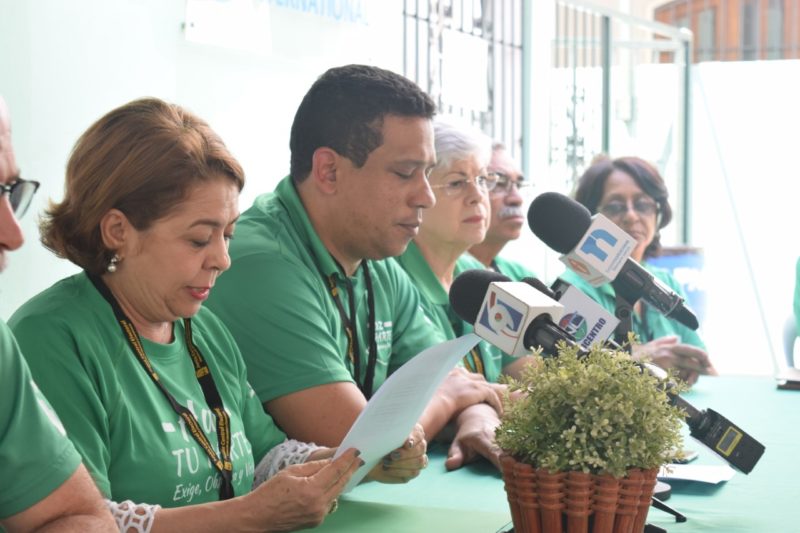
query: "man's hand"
463, 388
667, 352
474, 437
404, 463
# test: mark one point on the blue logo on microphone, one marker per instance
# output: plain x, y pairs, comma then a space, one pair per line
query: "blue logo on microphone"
591, 247
501, 317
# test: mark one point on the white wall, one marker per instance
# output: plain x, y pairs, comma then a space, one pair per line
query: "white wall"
64, 64
745, 188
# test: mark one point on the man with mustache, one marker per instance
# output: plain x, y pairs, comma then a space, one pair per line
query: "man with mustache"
46, 486
508, 216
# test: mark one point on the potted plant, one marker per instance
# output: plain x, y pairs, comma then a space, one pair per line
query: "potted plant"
584, 441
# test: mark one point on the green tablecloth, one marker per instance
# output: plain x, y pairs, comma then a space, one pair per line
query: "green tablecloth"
473, 499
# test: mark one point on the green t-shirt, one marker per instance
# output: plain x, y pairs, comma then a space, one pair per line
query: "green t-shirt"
131, 440
277, 303
513, 269
652, 325
35, 455
436, 302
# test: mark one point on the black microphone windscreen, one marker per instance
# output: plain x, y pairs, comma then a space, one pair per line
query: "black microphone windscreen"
468, 291
558, 220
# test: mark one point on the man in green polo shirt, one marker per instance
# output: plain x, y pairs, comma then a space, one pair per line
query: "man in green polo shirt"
321, 318
45, 484
507, 216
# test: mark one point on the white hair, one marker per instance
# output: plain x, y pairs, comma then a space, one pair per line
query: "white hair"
460, 141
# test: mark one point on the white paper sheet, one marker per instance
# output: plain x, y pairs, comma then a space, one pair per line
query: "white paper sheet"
395, 408
703, 473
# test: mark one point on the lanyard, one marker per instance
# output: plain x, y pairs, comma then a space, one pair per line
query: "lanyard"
222, 462
350, 324
473, 361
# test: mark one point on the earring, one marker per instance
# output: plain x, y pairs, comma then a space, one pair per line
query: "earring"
112, 264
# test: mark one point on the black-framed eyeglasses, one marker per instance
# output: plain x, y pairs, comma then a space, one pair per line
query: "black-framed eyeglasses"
456, 186
505, 183
20, 193
616, 208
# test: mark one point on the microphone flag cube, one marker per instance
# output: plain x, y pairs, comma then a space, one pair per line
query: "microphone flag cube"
585, 319
600, 253
508, 309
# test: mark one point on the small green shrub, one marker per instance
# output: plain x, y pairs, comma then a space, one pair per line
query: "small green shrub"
597, 414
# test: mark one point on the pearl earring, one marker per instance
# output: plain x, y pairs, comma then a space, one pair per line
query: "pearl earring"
112, 264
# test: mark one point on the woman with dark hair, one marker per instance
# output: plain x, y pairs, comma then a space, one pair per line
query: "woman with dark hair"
632, 194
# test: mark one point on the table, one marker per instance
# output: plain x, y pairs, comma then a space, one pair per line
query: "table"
473, 499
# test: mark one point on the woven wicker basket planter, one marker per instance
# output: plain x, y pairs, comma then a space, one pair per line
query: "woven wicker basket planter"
574, 502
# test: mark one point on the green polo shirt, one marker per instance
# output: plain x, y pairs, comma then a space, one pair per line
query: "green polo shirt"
652, 325
513, 269
437, 305
276, 301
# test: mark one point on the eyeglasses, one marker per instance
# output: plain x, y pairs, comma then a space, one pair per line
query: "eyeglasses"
641, 206
20, 193
456, 186
505, 184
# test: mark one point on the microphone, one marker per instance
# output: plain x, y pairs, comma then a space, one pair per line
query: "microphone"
585, 319
597, 250
470, 298
512, 316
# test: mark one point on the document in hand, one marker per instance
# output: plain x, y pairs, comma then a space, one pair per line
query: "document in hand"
393, 410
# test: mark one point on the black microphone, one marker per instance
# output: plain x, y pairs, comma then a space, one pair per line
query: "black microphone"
708, 427
563, 224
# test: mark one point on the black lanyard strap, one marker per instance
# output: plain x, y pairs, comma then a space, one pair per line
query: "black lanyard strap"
221, 462
350, 324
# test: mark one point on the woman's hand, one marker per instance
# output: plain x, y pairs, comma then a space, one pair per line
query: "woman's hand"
404, 463
666, 352
301, 495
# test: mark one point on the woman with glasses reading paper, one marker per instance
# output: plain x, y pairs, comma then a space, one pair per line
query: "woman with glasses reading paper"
459, 219
632, 194
149, 384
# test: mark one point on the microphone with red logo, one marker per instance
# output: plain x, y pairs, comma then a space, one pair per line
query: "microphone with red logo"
597, 250
511, 315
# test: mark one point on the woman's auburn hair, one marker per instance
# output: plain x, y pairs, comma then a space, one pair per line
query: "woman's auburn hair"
142, 158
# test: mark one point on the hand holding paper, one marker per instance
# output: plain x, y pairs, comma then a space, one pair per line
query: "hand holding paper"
405, 462
392, 412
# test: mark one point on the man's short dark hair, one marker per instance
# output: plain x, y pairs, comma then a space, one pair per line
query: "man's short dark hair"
344, 111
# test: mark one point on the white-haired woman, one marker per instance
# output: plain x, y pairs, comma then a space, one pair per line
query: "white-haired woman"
459, 219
